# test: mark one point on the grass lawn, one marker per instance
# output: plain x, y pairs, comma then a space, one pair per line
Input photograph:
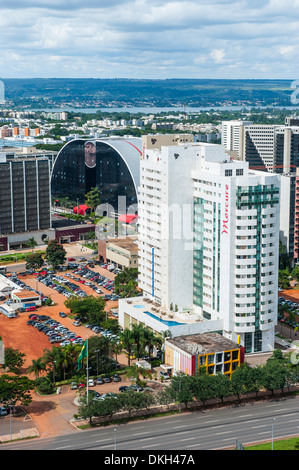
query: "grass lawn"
285, 444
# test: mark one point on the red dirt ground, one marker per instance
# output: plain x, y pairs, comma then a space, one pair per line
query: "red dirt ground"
51, 415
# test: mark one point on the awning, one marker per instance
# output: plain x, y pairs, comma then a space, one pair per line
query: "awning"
127, 218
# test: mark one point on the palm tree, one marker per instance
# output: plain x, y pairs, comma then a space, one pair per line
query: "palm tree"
116, 348
127, 341
135, 371
65, 360
52, 357
32, 243
138, 336
150, 339
36, 367
73, 351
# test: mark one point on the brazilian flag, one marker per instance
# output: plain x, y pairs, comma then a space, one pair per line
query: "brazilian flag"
83, 354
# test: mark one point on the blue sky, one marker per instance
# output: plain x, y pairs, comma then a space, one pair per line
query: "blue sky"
150, 39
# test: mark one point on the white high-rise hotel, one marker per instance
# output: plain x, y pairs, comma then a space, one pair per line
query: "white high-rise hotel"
209, 238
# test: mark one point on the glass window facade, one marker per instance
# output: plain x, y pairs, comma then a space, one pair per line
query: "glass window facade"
82, 165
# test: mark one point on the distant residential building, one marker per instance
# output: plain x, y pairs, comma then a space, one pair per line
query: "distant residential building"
273, 148
232, 135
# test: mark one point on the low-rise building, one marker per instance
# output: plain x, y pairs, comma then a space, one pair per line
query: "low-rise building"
26, 298
211, 352
122, 252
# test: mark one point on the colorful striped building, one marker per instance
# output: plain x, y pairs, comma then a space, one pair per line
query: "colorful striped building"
188, 354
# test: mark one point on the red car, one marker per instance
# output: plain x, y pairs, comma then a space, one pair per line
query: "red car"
30, 309
71, 259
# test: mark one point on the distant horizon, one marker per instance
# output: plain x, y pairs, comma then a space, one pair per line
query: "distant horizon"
149, 79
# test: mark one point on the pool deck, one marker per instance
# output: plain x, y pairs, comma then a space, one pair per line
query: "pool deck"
161, 313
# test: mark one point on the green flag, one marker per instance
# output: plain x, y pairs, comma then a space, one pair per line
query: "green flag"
83, 354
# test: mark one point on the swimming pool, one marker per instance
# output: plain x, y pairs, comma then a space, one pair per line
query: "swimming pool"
139, 306
165, 322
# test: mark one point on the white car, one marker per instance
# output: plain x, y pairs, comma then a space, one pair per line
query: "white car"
90, 382
164, 374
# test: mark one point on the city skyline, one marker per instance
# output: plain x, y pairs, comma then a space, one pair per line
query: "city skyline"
158, 39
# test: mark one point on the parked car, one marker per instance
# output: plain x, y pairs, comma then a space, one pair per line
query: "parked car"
30, 309
107, 379
123, 388
136, 388
99, 380
164, 374
116, 378
74, 386
3, 411
62, 314
91, 383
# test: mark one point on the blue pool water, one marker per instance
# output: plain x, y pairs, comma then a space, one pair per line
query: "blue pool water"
166, 322
139, 306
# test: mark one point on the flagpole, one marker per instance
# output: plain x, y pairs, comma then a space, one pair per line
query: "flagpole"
87, 366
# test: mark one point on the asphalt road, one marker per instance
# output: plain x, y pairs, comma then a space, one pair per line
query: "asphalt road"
208, 430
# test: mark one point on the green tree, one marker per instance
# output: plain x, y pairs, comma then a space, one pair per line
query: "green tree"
32, 243
164, 397
51, 358
203, 389
36, 367
34, 261
91, 309
239, 380
93, 198
221, 386
127, 341
276, 375
15, 389
55, 253
150, 339
137, 333
13, 360
182, 388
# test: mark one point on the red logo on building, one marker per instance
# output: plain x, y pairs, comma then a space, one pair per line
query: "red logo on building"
225, 220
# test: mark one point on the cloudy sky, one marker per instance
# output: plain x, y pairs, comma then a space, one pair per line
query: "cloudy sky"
149, 38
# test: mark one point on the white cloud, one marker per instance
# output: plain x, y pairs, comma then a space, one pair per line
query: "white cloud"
218, 55
150, 38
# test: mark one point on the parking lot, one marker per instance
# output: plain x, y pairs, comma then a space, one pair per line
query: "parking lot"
17, 334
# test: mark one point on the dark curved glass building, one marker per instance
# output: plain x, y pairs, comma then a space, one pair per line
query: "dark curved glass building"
112, 165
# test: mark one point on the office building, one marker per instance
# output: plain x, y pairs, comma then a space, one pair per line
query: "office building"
273, 148
208, 243
232, 135
25, 201
111, 165
119, 252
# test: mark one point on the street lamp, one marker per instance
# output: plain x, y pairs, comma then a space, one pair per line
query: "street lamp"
97, 351
273, 431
